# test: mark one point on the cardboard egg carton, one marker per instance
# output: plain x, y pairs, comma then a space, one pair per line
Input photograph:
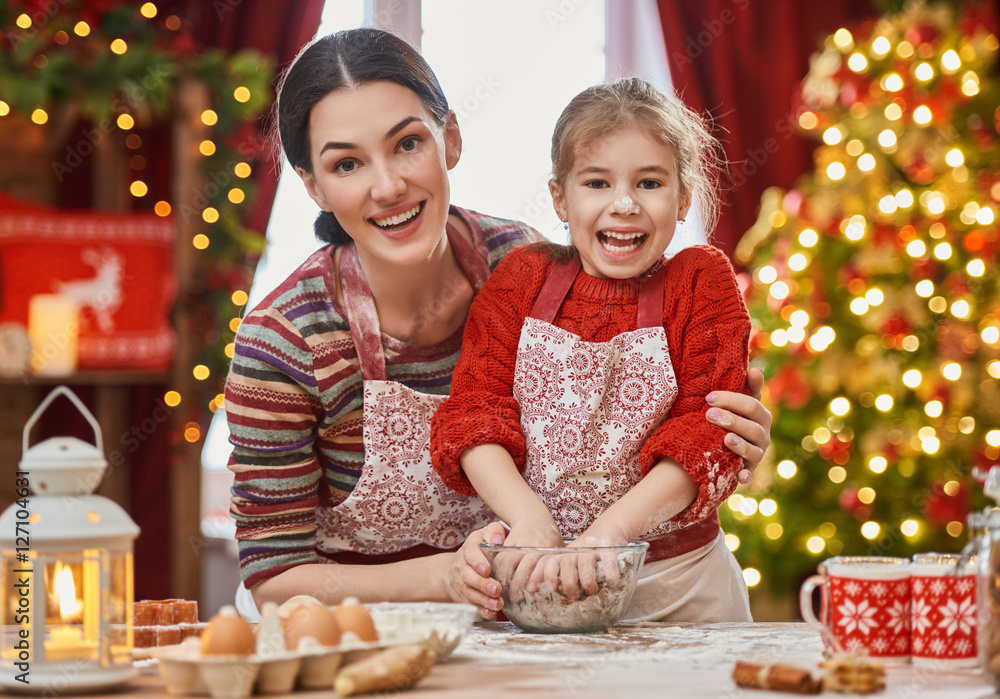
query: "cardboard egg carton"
435, 629
272, 669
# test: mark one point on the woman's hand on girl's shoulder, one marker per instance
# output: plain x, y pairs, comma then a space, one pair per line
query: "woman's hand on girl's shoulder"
747, 419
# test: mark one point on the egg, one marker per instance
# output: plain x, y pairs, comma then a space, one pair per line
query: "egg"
353, 617
311, 620
227, 633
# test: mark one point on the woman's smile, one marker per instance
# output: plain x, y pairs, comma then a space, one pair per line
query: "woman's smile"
384, 176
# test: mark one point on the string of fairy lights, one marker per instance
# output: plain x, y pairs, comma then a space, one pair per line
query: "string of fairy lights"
873, 288
240, 91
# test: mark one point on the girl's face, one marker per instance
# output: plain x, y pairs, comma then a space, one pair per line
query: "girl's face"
621, 241
380, 164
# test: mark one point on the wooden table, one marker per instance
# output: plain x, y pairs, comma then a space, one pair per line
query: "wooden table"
634, 661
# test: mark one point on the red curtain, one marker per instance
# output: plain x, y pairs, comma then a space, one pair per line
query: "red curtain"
275, 28
739, 61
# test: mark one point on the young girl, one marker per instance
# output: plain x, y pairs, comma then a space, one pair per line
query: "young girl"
578, 404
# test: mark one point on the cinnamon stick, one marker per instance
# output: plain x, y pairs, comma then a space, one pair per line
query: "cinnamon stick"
778, 678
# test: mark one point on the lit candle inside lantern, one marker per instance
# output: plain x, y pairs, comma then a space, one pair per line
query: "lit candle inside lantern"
65, 642
53, 328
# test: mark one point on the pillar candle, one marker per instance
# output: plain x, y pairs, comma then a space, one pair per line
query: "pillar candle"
53, 327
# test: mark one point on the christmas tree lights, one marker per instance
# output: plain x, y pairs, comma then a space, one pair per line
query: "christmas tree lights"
875, 298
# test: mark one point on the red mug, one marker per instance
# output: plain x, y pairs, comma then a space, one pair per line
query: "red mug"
865, 606
944, 611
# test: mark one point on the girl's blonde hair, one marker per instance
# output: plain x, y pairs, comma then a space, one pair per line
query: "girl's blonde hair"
600, 110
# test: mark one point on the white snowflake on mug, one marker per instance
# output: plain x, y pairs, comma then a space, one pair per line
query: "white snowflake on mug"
902, 589
965, 584
963, 646
899, 617
958, 617
918, 644
938, 646
852, 588
860, 616
880, 645
921, 616
938, 587
880, 590
918, 586
900, 644
854, 644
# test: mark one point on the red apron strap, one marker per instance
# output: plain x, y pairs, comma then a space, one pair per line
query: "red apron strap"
560, 281
361, 315
554, 290
650, 314
475, 266
360, 304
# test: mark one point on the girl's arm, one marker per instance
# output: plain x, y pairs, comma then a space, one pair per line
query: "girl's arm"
666, 490
481, 408
444, 577
491, 470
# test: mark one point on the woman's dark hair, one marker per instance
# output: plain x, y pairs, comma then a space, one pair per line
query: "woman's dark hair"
347, 59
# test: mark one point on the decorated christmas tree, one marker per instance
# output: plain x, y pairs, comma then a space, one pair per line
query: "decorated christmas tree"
875, 297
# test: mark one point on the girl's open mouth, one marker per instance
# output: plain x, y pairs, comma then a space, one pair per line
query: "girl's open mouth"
618, 243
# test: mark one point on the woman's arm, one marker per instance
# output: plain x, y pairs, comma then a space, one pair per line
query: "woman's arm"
460, 576
748, 420
707, 327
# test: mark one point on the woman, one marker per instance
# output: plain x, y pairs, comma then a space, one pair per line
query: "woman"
337, 372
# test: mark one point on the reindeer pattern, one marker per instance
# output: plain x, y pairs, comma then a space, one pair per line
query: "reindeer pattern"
102, 293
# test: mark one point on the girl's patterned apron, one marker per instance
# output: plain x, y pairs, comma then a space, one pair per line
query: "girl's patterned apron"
587, 408
399, 501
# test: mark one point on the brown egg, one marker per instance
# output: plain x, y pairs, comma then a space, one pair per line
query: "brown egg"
227, 633
351, 616
313, 620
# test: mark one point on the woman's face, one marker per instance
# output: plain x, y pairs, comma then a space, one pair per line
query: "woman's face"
380, 164
622, 200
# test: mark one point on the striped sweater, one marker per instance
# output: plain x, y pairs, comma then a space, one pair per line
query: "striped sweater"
294, 400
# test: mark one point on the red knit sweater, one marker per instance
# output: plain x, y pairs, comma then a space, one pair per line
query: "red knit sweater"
707, 328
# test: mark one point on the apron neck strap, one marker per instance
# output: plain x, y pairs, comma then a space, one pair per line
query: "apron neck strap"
650, 314
554, 290
362, 317
560, 280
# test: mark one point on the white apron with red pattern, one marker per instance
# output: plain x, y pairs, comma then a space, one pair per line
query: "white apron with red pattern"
587, 408
399, 501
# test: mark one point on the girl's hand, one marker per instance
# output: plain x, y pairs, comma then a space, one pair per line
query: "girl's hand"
748, 419
467, 577
534, 532
518, 567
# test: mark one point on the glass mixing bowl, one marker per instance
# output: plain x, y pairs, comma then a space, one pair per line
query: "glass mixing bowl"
579, 589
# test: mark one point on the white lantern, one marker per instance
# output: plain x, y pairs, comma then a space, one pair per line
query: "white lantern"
65, 570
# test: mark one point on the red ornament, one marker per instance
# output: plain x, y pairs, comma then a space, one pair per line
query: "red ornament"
895, 325
837, 450
941, 508
790, 387
922, 34
850, 503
